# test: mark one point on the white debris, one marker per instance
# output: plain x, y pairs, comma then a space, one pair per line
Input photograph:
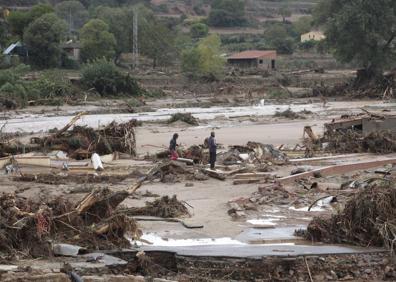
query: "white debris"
96, 162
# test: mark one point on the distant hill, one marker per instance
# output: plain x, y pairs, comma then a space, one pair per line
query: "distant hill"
20, 3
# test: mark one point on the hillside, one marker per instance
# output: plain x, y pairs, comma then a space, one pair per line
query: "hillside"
256, 10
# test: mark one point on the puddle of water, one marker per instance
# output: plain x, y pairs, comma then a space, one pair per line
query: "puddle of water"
267, 220
156, 240
321, 205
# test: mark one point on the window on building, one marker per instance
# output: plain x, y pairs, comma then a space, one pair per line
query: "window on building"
260, 61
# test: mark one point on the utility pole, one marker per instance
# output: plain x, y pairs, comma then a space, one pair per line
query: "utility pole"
70, 22
135, 49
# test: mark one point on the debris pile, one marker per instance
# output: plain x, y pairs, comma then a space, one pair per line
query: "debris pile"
61, 178
368, 219
82, 141
196, 153
184, 117
166, 207
172, 171
289, 114
267, 152
253, 152
351, 141
29, 228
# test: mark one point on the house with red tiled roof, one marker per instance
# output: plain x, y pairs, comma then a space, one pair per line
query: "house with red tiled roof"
254, 59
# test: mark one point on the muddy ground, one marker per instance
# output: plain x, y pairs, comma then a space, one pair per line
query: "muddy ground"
265, 220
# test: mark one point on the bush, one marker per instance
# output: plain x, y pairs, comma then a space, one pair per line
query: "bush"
51, 88
12, 75
107, 80
13, 93
52, 84
199, 30
184, 117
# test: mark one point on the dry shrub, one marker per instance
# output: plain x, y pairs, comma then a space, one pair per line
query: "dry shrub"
164, 207
351, 141
27, 228
289, 114
368, 219
185, 117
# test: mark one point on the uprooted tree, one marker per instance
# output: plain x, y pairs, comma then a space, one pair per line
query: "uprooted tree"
363, 32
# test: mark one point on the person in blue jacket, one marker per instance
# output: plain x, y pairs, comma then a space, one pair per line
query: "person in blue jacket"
212, 150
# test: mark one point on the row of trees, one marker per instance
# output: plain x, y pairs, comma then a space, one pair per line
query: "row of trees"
105, 32
356, 31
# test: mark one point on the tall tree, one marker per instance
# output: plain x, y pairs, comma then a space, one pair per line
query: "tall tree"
155, 40
96, 41
72, 12
42, 38
204, 60
119, 21
20, 20
360, 31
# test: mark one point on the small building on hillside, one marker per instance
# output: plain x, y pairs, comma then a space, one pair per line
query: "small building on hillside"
72, 49
254, 59
312, 35
15, 52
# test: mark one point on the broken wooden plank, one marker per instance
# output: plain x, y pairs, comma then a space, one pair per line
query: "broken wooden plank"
246, 181
327, 158
252, 175
70, 124
34, 161
236, 171
338, 169
214, 174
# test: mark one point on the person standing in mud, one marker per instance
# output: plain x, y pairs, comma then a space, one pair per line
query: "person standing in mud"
212, 150
172, 147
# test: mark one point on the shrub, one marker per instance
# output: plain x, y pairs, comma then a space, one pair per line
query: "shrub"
199, 30
14, 94
107, 80
52, 84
